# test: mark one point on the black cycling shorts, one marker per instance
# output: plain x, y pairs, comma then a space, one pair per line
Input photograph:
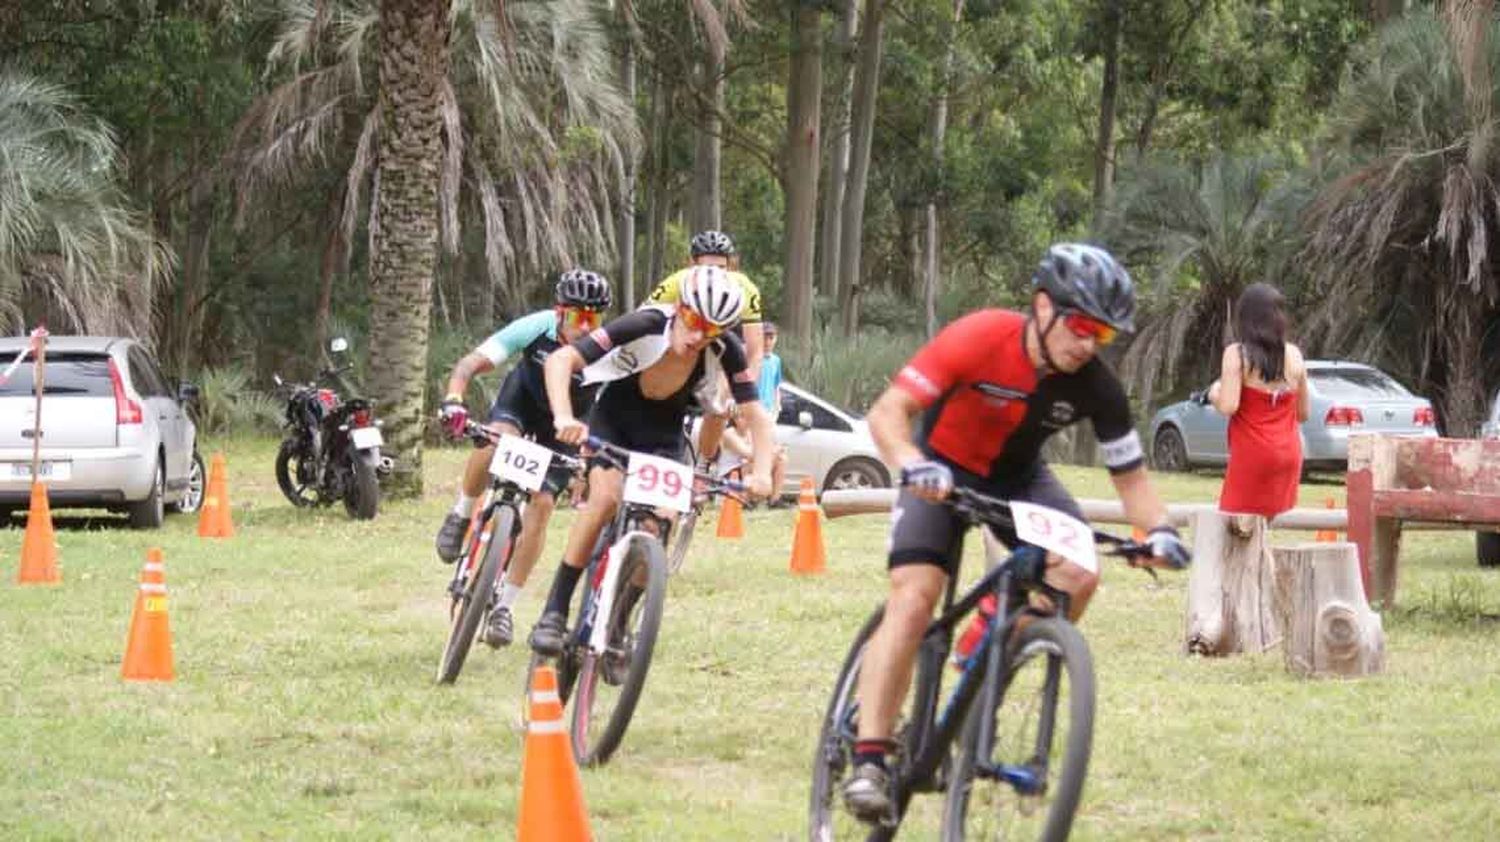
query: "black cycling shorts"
932, 533
515, 406
633, 433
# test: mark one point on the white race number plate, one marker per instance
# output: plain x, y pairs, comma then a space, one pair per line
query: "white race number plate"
366, 437
1054, 531
61, 471
654, 481
522, 462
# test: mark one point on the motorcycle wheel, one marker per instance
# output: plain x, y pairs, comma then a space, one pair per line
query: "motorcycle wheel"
289, 461
362, 497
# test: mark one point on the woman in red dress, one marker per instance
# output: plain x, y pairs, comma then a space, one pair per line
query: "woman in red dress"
1262, 387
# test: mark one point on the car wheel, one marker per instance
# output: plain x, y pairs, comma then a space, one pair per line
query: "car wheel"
1487, 547
192, 499
1168, 452
149, 513
856, 474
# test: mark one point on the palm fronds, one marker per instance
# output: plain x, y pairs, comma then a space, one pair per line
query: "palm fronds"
69, 246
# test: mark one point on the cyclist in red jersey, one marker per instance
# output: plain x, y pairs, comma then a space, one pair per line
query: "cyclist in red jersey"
991, 388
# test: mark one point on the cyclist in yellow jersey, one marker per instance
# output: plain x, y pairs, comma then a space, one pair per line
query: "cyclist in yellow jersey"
715, 248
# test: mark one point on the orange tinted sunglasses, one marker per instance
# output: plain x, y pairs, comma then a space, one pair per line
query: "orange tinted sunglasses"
1085, 327
695, 321
579, 317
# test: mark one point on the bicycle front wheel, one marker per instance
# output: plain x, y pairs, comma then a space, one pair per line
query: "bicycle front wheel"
1021, 767
609, 684
471, 603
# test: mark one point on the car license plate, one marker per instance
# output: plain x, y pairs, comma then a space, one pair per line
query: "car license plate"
48, 470
366, 437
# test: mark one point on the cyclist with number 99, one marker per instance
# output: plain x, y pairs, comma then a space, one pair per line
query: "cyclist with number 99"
520, 408
653, 363
992, 387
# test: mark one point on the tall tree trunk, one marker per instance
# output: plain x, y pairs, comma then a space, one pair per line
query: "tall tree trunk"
1384, 10
866, 89
706, 163
804, 95
413, 61
333, 250
656, 202
838, 153
625, 275
937, 132
195, 273
1104, 147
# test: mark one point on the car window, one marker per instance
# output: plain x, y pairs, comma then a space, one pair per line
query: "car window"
166, 382
143, 375
1346, 383
68, 375
822, 417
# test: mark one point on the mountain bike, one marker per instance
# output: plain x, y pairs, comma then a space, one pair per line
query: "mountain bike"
606, 655
1010, 747
518, 469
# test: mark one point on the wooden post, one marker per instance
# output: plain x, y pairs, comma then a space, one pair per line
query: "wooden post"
1320, 604
1231, 587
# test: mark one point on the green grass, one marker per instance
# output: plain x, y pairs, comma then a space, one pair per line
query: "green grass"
305, 707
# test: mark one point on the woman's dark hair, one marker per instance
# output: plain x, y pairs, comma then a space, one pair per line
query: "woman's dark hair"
1260, 322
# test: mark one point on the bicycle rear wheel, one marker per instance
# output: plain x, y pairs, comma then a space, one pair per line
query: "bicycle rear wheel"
471, 603
1026, 780
606, 690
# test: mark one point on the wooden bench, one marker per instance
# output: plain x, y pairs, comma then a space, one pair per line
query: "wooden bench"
1398, 478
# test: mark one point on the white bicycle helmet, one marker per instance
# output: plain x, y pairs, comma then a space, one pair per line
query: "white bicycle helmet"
714, 295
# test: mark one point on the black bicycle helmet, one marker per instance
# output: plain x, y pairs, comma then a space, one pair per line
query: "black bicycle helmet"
1088, 280
711, 242
582, 288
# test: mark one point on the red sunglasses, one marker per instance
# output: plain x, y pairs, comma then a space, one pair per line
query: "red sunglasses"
695, 321
579, 317
1085, 327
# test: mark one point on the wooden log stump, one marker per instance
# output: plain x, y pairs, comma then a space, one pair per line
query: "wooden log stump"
1320, 603
1231, 589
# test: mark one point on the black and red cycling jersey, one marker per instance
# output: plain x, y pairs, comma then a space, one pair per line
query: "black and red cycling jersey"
989, 412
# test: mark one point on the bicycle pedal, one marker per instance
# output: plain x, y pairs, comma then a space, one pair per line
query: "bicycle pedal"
1024, 779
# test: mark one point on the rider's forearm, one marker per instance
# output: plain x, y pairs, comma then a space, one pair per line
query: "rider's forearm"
467, 369
890, 426
755, 348
710, 434
1143, 506
762, 438
558, 374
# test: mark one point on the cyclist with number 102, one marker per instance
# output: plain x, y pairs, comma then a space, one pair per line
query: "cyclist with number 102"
991, 388
520, 409
653, 363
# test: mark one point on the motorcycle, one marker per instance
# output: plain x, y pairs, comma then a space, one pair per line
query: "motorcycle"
332, 446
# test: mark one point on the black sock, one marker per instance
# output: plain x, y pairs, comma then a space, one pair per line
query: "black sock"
871, 751
562, 588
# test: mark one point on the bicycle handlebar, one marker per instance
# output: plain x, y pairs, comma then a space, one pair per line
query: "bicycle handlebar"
482, 435
620, 457
981, 508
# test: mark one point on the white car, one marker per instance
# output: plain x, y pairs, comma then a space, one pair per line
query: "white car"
823, 442
115, 433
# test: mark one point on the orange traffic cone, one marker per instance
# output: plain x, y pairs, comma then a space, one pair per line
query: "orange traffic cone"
213, 518
551, 791
1326, 535
731, 518
39, 545
148, 648
808, 555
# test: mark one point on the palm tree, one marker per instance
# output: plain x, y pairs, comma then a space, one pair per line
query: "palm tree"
534, 129
1194, 235
70, 248
1404, 242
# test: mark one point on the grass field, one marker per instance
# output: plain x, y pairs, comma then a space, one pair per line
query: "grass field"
305, 707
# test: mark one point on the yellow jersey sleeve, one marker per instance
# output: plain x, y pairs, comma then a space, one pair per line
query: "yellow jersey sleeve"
670, 290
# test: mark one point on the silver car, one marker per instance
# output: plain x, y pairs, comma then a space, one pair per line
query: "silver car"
1345, 398
115, 433
826, 443
1487, 544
